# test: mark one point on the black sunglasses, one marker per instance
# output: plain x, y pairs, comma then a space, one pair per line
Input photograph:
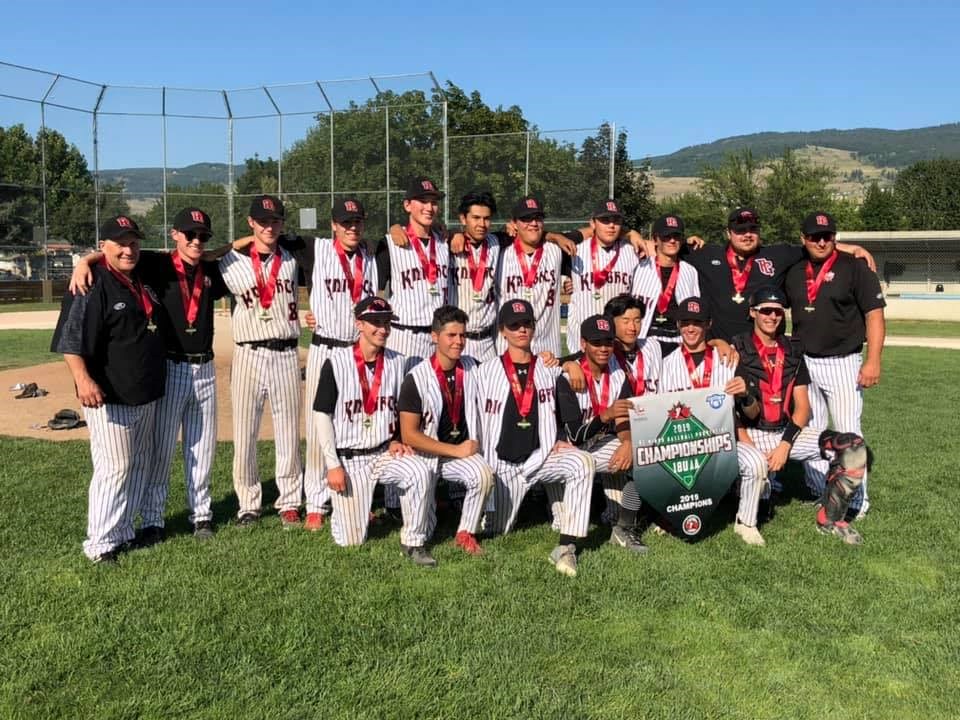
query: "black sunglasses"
192, 235
514, 326
770, 311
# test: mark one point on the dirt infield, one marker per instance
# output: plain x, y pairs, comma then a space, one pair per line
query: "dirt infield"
28, 417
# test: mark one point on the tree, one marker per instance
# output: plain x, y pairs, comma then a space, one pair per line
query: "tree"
792, 189
700, 216
927, 195
733, 183
879, 210
209, 197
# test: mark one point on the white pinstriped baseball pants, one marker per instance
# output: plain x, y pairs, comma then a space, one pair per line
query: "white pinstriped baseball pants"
573, 468
481, 350
257, 374
410, 343
190, 401
412, 477
476, 478
752, 460
315, 489
602, 452
121, 447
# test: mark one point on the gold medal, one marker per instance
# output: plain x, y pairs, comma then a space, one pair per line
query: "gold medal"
477, 298
738, 298
597, 295
367, 423
434, 291
454, 433
265, 315
809, 308
523, 423
152, 326
190, 330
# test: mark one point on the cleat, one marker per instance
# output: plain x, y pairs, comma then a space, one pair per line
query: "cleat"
248, 519
148, 537
289, 519
749, 534
564, 559
315, 522
842, 530
627, 537
203, 530
468, 543
419, 555
107, 558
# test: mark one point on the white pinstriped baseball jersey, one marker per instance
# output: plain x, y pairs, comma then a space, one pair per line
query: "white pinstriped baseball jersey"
348, 417
479, 305
647, 286
249, 324
330, 295
650, 355
544, 294
432, 400
583, 301
675, 376
410, 294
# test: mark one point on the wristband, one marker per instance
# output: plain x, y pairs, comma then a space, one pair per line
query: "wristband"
790, 432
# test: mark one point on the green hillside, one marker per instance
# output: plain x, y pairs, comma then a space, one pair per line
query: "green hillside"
150, 180
884, 148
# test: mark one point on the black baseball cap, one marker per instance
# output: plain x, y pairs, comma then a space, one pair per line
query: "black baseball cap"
266, 207
743, 219
422, 188
373, 307
596, 329
346, 209
515, 310
119, 226
192, 218
693, 308
819, 222
768, 295
608, 208
667, 225
527, 207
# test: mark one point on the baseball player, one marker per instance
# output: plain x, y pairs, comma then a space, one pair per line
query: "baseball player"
772, 423
518, 432
439, 420
343, 274
530, 270
110, 343
356, 403
266, 328
601, 271
729, 274
836, 304
595, 420
419, 272
664, 280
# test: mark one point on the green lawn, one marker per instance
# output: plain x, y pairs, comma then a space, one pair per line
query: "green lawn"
271, 624
28, 306
21, 348
923, 328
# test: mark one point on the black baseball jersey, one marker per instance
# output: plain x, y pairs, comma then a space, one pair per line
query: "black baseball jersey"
777, 403
411, 402
836, 324
769, 267
576, 419
107, 328
157, 271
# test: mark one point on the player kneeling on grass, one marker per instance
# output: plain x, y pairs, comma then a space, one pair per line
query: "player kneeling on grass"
439, 420
357, 422
596, 420
519, 435
773, 424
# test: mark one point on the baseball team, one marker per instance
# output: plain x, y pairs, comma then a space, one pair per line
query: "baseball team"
437, 356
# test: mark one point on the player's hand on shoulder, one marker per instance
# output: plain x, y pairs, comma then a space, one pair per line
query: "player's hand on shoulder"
398, 236
728, 353
337, 479
578, 383
862, 254
549, 359
241, 243
457, 243
696, 242
736, 387
81, 280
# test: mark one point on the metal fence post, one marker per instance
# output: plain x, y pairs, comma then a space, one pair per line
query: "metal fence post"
446, 169
386, 119
230, 190
613, 153
96, 166
526, 168
163, 125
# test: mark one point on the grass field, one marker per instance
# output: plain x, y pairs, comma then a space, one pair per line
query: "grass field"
21, 348
28, 306
271, 624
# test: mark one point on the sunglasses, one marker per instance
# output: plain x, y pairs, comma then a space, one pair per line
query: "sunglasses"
514, 326
820, 238
770, 311
538, 220
192, 235
669, 239
609, 220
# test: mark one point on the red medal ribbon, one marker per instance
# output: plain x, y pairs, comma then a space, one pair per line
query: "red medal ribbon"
529, 273
692, 369
664, 300
771, 358
266, 290
190, 298
636, 380
355, 278
477, 269
429, 265
522, 396
601, 404
738, 276
455, 401
600, 276
369, 392
813, 285
139, 292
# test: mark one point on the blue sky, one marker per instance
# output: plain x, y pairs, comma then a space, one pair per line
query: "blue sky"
673, 74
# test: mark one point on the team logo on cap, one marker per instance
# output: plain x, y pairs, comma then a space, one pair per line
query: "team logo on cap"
603, 325
672, 222
379, 304
519, 307
427, 185
746, 216
124, 222
197, 216
822, 220
350, 206
532, 204
267, 204
612, 206
693, 306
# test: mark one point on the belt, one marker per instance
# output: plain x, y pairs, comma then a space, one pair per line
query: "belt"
329, 342
286, 344
484, 334
413, 328
192, 358
349, 453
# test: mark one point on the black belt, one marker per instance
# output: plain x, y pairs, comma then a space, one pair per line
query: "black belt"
481, 335
192, 358
329, 342
271, 344
413, 328
349, 453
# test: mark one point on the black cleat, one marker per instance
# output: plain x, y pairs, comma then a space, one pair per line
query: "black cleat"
148, 537
203, 530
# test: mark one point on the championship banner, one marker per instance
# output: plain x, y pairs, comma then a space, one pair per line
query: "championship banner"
684, 454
